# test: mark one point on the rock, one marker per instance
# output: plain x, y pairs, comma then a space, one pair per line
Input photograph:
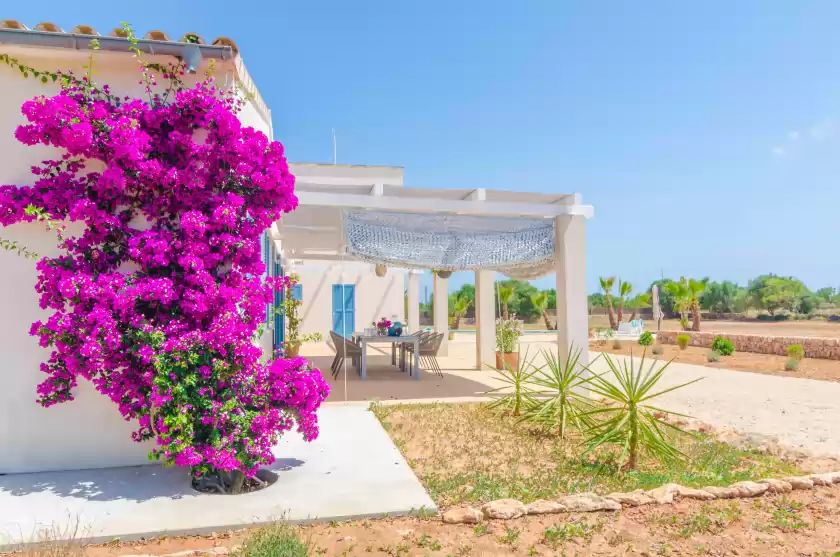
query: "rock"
588, 502
463, 515
822, 479
750, 489
541, 506
800, 482
723, 492
777, 486
631, 499
665, 494
504, 509
691, 493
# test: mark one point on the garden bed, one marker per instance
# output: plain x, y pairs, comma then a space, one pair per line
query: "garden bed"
463, 453
810, 368
800, 523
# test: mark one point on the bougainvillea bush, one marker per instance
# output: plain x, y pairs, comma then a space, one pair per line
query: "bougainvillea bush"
159, 300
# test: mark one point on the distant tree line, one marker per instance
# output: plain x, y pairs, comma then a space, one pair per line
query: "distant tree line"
773, 294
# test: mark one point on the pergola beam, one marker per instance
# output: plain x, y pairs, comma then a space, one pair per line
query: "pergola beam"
439, 205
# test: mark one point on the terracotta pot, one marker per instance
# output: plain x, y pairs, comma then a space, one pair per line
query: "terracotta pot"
292, 350
509, 358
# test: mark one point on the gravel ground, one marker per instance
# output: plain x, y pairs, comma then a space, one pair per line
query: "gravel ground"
800, 413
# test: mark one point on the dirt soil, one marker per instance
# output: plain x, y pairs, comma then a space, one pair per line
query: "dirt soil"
811, 368
804, 523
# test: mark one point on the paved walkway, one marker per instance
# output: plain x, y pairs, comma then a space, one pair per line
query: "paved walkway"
351, 471
801, 413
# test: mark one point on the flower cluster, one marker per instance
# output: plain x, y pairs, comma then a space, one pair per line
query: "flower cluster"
158, 300
508, 332
383, 323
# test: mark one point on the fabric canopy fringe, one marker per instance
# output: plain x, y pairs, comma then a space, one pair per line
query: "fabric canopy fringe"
519, 247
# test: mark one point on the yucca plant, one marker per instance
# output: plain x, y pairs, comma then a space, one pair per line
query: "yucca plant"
517, 392
560, 400
628, 419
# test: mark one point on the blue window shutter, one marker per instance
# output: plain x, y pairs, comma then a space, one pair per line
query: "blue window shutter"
297, 292
338, 310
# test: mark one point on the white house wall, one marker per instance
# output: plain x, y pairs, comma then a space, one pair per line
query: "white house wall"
89, 431
375, 296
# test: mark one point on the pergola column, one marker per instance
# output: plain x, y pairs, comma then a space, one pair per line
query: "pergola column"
485, 320
413, 313
570, 263
441, 312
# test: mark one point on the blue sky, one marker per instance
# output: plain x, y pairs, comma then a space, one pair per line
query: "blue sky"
705, 134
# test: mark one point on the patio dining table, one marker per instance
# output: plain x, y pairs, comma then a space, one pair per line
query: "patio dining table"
363, 339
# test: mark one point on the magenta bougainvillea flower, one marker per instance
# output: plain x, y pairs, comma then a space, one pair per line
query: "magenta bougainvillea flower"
158, 300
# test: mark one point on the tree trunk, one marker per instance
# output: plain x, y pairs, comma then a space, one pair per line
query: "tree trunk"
610, 313
505, 311
634, 440
237, 483
547, 321
633, 315
695, 311
620, 315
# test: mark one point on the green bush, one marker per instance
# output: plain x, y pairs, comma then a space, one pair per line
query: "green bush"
280, 540
792, 364
723, 346
796, 352
683, 340
646, 338
713, 356
658, 350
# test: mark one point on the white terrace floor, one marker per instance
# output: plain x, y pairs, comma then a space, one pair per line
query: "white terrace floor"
353, 469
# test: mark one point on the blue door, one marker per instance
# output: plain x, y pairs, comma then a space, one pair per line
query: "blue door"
344, 309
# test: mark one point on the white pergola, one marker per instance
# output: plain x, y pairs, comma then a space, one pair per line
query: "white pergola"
315, 231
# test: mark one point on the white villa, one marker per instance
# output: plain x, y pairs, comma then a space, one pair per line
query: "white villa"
350, 219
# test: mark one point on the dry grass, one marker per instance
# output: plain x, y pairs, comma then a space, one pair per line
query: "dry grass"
464, 453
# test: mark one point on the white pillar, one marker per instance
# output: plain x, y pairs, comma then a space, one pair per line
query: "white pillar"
413, 317
570, 266
441, 311
485, 320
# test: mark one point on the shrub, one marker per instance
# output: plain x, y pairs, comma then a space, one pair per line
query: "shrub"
792, 364
796, 352
723, 346
658, 350
629, 420
713, 356
559, 382
516, 394
280, 540
616, 344
683, 341
646, 338
159, 294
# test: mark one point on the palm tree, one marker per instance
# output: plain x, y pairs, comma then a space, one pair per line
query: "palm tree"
624, 290
637, 302
540, 301
606, 286
686, 294
458, 306
696, 287
682, 298
506, 294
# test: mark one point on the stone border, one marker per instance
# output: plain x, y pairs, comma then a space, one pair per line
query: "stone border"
507, 509
815, 347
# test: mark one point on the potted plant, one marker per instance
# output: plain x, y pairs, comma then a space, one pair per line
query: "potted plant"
508, 332
289, 308
382, 326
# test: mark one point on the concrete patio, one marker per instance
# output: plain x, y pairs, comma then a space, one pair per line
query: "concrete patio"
351, 471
